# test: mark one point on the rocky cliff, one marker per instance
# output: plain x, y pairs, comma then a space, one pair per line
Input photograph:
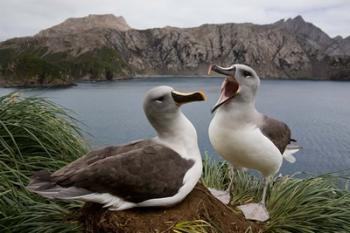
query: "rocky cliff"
105, 47
78, 25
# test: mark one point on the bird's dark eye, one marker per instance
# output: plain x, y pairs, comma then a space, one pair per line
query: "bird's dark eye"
160, 99
247, 73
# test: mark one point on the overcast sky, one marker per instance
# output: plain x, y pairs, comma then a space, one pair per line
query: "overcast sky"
27, 17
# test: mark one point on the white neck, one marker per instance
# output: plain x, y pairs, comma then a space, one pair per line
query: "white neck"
237, 113
181, 136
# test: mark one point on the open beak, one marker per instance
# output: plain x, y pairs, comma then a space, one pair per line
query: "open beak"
183, 98
230, 86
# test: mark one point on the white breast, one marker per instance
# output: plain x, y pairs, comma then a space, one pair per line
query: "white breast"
244, 145
183, 140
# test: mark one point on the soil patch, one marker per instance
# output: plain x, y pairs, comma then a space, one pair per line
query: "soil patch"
199, 204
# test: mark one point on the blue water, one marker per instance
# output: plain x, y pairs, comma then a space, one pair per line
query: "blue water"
318, 112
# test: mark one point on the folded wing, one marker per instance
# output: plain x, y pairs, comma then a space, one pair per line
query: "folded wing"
136, 172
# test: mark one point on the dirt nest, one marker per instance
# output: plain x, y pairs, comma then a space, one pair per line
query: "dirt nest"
199, 204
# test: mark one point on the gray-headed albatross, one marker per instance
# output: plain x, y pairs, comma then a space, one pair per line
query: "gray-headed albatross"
160, 171
243, 136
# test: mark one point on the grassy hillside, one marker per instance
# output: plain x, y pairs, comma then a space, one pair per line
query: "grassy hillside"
35, 66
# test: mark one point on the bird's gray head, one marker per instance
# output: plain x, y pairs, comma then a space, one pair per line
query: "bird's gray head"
162, 104
241, 84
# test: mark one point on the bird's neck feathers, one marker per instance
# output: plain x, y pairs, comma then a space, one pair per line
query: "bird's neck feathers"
239, 105
237, 111
180, 135
175, 127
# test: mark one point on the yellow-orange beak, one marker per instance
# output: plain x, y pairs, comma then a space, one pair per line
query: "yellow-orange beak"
182, 98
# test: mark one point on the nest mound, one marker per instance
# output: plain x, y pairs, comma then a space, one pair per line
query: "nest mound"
198, 205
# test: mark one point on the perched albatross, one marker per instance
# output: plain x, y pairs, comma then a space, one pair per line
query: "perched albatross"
160, 171
245, 137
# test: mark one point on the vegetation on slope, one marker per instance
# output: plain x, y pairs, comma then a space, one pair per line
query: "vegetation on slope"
38, 67
104, 63
36, 134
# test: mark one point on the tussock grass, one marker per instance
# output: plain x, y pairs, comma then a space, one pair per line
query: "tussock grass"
197, 226
215, 174
35, 134
309, 205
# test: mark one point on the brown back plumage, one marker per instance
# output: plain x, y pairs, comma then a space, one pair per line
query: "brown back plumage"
277, 131
134, 172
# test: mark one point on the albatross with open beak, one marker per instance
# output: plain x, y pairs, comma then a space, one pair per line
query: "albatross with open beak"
243, 136
160, 171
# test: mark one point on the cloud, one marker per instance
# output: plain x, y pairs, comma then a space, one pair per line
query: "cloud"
27, 17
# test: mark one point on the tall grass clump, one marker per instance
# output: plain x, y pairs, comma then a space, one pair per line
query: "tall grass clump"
215, 173
308, 205
196, 226
35, 134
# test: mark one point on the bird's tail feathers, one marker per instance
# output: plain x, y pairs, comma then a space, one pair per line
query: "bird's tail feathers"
291, 149
42, 184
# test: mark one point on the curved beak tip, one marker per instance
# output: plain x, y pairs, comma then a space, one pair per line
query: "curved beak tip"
204, 96
209, 69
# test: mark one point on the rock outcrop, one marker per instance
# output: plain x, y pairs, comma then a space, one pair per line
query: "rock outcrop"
106, 47
78, 25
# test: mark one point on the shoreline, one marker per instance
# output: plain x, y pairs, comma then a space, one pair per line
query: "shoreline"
156, 76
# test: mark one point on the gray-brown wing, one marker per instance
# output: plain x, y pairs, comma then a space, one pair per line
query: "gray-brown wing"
153, 171
277, 131
100, 154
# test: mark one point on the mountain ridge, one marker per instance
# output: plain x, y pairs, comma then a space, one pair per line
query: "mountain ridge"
99, 47
80, 24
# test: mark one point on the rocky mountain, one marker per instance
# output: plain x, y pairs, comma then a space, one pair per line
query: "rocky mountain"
78, 25
100, 47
